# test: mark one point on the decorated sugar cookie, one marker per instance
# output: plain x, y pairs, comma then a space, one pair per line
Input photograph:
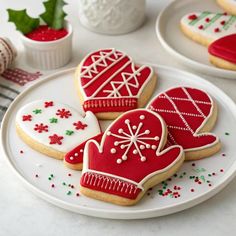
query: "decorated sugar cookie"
206, 27
189, 114
110, 83
130, 160
222, 52
54, 129
228, 5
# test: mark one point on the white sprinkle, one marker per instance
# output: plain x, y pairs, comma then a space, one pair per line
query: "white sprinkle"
142, 117
113, 150
76, 154
119, 161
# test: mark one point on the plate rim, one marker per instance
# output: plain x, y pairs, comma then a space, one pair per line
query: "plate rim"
195, 65
114, 214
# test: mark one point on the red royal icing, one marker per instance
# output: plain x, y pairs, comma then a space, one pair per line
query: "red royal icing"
48, 104
26, 118
185, 110
63, 113
41, 128
55, 139
44, 33
111, 82
224, 48
130, 149
192, 17
75, 156
79, 125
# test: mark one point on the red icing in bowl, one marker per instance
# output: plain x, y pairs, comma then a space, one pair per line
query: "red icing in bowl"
46, 34
224, 48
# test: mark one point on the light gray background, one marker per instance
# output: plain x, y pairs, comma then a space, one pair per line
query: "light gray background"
21, 213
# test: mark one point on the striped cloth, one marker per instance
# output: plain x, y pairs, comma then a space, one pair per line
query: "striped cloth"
12, 82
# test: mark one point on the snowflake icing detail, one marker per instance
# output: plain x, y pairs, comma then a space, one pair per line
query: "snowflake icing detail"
26, 118
41, 128
135, 138
63, 113
79, 125
55, 139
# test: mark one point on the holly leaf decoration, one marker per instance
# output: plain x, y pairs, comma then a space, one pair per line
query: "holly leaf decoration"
23, 22
54, 14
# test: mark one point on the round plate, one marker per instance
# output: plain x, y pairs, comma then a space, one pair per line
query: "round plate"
182, 48
194, 183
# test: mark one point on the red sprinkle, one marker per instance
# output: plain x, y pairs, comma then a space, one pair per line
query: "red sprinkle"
77, 194
21, 152
225, 13
192, 17
52, 185
223, 154
207, 19
69, 174
209, 185
221, 170
192, 190
200, 27
222, 22
45, 34
217, 30
193, 164
213, 173
36, 176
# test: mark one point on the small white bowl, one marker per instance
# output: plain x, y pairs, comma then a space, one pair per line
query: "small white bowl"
49, 55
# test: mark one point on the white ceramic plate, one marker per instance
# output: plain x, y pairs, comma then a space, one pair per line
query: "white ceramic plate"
61, 87
177, 44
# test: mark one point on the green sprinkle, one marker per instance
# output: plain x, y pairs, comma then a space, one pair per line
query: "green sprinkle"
164, 187
202, 178
53, 120
64, 183
209, 175
184, 173
49, 178
52, 175
226, 133
37, 111
69, 193
69, 132
181, 176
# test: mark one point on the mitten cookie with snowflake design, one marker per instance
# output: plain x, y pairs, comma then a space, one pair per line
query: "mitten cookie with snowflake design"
54, 129
109, 83
130, 160
189, 114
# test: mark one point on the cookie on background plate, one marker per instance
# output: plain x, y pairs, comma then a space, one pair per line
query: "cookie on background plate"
130, 159
54, 129
228, 5
206, 27
222, 52
189, 114
109, 83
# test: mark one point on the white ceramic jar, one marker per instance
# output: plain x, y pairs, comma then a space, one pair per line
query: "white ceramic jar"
49, 55
112, 16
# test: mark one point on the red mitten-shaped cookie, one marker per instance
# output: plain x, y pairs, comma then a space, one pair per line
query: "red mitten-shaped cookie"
130, 159
110, 83
189, 114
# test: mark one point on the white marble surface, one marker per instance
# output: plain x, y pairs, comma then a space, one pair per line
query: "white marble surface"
22, 213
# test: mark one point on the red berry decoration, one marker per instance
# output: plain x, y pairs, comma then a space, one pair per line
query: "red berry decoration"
80, 125
217, 30
192, 17
63, 113
55, 139
207, 20
44, 34
200, 27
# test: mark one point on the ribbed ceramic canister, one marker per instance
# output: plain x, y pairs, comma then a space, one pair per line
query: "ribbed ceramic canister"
49, 55
112, 16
